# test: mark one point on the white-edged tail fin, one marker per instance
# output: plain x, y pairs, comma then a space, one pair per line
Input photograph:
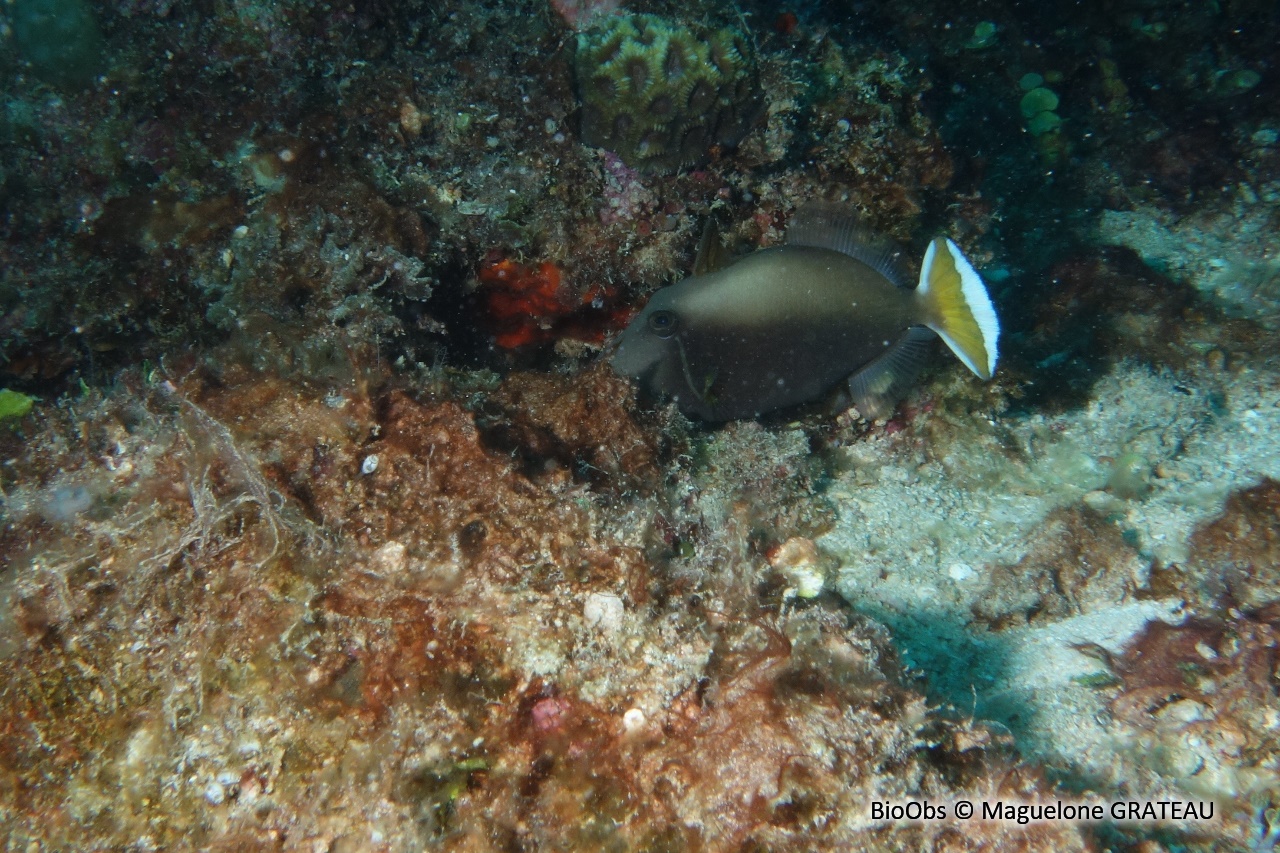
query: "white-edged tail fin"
958, 307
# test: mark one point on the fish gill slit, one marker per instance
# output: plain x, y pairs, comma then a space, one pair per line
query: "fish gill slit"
688, 375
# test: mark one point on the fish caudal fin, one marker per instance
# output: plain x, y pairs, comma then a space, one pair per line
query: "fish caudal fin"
958, 308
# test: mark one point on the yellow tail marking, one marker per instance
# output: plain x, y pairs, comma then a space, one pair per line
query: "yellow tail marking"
958, 307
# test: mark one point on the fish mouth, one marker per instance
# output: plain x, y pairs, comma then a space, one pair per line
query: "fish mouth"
635, 357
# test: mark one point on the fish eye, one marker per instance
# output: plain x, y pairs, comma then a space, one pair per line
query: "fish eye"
663, 323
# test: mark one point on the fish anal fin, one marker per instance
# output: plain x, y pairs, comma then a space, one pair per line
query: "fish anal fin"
878, 386
958, 307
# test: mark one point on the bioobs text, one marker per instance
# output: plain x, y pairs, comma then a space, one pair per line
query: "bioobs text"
910, 810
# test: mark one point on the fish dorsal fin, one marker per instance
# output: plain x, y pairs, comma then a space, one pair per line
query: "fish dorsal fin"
832, 226
712, 255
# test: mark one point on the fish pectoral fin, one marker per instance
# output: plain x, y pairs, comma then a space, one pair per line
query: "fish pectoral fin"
878, 386
707, 395
958, 307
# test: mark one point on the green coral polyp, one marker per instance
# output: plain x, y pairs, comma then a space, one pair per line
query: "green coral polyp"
635, 72
610, 47
660, 95
701, 97
728, 53
662, 107
676, 62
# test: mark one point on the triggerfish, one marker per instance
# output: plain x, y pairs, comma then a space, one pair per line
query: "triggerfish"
785, 325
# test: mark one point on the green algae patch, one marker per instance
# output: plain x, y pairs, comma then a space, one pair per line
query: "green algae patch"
984, 35
1038, 107
1037, 101
1130, 476
1042, 123
1030, 80
14, 405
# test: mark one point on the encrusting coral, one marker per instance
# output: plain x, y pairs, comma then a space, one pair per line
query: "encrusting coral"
661, 95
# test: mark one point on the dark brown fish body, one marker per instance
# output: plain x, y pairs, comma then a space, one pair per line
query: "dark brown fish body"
785, 325
746, 345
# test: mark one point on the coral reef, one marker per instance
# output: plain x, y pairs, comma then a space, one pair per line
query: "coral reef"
1196, 704
660, 95
444, 647
324, 523
586, 426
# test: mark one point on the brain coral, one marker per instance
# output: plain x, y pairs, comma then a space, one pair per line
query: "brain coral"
660, 95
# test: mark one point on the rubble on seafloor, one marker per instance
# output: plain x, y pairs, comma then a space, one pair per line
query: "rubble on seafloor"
327, 526
385, 632
245, 610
